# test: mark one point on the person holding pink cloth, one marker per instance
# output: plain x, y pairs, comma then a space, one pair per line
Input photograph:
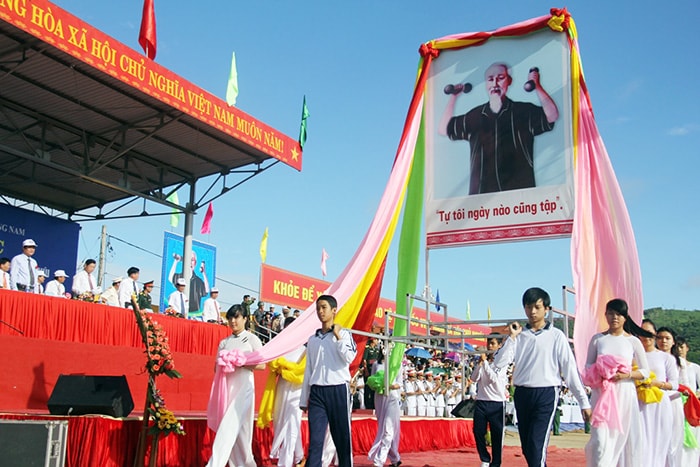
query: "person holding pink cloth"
615, 360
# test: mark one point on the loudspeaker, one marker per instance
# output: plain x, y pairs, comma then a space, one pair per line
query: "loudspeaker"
82, 395
465, 409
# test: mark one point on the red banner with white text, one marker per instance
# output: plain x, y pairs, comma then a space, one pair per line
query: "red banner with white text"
57, 27
287, 288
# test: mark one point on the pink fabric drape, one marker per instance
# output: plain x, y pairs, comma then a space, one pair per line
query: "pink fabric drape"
601, 375
226, 362
604, 258
356, 270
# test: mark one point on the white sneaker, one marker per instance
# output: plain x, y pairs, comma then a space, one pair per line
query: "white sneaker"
484, 464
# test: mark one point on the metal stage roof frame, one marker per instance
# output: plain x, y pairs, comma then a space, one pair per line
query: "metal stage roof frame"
86, 121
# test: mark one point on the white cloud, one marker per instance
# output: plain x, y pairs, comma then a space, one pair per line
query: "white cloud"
683, 129
693, 282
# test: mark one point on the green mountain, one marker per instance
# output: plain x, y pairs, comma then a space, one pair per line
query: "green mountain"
685, 323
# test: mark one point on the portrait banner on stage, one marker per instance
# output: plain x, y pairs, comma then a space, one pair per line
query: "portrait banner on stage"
498, 141
203, 266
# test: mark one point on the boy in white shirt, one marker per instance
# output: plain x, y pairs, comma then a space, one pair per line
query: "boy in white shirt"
489, 410
325, 392
542, 357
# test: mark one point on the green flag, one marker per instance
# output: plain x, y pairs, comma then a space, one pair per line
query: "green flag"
232, 88
469, 311
175, 215
302, 128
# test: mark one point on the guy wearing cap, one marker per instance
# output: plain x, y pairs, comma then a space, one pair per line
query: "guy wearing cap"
422, 397
199, 286
410, 391
258, 317
211, 311
111, 295
178, 300
430, 408
55, 288
286, 313
40, 278
84, 281
129, 287
5, 273
23, 268
144, 301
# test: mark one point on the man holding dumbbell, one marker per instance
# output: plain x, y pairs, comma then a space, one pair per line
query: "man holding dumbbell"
501, 132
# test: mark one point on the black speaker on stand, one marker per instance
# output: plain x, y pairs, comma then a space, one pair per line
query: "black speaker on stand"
88, 395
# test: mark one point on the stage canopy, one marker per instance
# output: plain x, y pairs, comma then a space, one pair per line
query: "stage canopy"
86, 121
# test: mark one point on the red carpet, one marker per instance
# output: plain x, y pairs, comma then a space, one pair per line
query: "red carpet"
512, 457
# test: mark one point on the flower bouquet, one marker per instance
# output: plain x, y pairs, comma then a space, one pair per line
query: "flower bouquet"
172, 312
160, 359
164, 421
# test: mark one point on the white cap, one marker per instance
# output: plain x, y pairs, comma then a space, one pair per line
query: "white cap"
116, 280
60, 273
28, 242
214, 290
41, 273
181, 281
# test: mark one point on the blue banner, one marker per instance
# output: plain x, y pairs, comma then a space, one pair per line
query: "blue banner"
203, 271
56, 239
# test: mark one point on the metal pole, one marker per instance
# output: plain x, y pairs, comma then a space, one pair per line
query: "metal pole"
101, 266
428, 298
187, 244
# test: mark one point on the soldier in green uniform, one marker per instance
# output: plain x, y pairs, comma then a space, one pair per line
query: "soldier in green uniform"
144, 299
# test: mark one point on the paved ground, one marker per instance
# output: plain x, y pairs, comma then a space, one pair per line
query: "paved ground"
563, 450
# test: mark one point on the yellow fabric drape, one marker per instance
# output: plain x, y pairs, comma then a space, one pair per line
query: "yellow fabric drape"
646, 392
289, 371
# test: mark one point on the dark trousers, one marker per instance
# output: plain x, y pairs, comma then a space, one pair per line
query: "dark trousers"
535, 408
329, 406
491, 414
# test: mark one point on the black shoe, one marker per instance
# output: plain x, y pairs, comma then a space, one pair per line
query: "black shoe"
397, 464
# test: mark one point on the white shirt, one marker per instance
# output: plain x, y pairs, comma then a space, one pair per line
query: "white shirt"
55, 289
111, 297
211, 310
5, 279
175, 301
83, 282
19, 271
490, 382
327, 361
126, 289
542, 358
690, 375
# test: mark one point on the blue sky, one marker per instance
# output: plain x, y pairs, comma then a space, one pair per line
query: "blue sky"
356, 64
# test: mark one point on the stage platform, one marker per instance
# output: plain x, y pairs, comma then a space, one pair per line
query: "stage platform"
110, 442
43, 337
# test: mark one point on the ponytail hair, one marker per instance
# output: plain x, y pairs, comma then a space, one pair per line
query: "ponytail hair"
620, 307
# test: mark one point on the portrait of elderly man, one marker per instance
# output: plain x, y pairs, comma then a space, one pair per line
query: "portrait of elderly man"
501, 132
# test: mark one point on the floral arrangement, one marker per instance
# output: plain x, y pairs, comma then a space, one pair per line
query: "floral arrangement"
164, 421
88, 297
160, 359
172, 312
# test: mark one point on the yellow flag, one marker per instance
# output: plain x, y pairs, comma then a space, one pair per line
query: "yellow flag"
263, 247
488, 312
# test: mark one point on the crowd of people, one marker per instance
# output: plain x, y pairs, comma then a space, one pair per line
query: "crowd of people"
631, 393
635, 380
23, 273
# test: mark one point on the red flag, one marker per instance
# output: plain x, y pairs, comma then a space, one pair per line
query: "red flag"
324, 257
147, 34
206, 223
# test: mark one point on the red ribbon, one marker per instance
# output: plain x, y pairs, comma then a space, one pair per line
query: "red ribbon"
427, 50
